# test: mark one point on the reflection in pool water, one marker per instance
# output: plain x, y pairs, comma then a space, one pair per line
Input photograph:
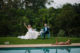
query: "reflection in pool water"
41, 50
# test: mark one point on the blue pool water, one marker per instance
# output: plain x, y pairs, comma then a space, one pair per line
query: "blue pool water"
58, 49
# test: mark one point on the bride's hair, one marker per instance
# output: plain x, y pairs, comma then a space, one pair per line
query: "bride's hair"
28, 25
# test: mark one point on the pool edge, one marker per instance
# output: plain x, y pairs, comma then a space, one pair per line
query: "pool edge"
37, 45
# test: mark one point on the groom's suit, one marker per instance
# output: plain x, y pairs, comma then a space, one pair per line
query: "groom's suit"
46, 32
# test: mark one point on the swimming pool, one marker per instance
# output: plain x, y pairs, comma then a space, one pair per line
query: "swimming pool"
58, 49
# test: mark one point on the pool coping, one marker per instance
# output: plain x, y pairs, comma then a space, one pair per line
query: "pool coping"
36, 45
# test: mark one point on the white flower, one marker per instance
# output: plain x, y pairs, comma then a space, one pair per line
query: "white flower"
7, 42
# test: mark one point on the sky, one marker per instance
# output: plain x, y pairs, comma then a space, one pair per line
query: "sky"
60, 3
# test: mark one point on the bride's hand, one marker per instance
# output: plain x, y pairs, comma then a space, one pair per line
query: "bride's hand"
24, 24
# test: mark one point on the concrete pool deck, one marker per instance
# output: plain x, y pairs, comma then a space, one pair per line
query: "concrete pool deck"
37, 45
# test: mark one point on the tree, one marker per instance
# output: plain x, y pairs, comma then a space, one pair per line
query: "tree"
65, 19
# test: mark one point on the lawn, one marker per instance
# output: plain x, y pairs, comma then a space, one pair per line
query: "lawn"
15, 40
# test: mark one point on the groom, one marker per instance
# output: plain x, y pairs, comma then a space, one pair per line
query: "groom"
45, 31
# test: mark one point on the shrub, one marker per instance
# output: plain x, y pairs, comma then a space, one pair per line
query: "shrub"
61, 33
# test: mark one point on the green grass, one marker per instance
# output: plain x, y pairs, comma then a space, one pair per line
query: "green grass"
15, 40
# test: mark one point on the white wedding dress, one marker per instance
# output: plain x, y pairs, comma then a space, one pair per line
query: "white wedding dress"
31, 34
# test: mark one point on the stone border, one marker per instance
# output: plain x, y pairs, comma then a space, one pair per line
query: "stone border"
37, 45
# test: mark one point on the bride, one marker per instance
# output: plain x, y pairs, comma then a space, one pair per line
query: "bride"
31, 34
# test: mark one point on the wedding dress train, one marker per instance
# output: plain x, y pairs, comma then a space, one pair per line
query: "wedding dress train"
31, 34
